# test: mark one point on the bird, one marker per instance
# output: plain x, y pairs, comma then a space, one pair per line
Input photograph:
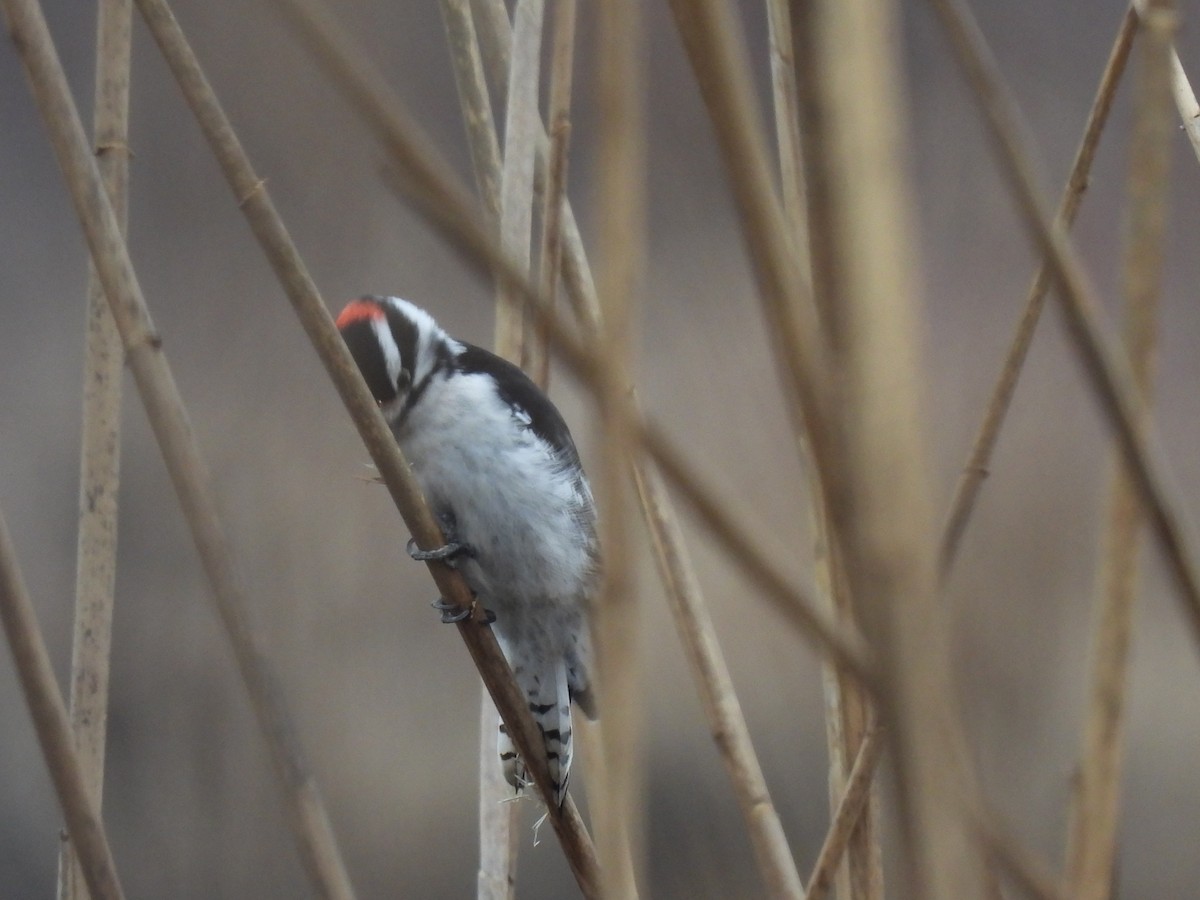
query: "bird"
502, 475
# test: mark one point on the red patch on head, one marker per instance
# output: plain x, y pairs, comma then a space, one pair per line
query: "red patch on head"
359, 310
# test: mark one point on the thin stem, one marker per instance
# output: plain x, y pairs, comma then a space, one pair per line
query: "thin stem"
96, 560
975, 469
711, 675
523, 126
536, 357
1092, 843
169, 420
878, 489
616, 613
850, 807
42, 696
1106, 366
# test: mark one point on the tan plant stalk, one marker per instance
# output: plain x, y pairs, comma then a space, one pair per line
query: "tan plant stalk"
535, 355
523, 126
1181, 91
975, 469
495, 33
1104, 363
847, 705
617, 808
168, 419
281, 253
710, 672
447, 208
855, 795
881, 511
104, 358
475, 102
498, 839
717, 51
1092, 843
787, 130
36, 674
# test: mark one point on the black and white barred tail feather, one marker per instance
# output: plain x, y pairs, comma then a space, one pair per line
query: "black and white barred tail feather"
549, 696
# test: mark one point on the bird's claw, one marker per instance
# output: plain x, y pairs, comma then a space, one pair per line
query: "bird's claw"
447, 553
452, 612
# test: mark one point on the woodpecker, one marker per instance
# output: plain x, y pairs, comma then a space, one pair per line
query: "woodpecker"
501, 473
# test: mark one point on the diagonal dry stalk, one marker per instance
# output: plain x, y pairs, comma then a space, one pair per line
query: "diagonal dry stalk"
45, 703
1092, 843
284, 259
96, 561
1105, 365
716, 49
443, 202
878, 501
168, 419
856, 793
975, 469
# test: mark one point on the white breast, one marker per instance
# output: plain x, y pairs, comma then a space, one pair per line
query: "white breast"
528, 515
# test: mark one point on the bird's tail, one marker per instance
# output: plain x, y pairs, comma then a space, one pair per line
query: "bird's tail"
550, 705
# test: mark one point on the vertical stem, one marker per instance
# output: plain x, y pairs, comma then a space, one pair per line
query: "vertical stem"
621, 241
1095, 813
881, 508
96, 565
523, 127
536, 355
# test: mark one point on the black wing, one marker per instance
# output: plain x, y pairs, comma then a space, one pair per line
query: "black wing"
519, 391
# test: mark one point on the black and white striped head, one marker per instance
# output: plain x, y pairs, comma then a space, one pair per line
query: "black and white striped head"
399, 348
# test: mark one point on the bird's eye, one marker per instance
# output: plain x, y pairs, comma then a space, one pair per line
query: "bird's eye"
403, 381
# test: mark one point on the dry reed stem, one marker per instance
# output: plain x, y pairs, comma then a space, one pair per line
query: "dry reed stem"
476, 105
104, 358
523, 126
446, 207
268, 228
36, 674
536, 352
1106, 366
710, 672
851, 804
1092, 840
169, 421
881, 510
621, 178
495, 32
787, 131
847, 706
498, 840
1181, 91
975, 469
498, 843
716, 48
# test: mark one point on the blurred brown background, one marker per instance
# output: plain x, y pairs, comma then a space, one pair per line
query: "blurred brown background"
386, 698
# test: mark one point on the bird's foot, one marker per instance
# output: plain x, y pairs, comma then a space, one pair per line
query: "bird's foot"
452, 612
448, 553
